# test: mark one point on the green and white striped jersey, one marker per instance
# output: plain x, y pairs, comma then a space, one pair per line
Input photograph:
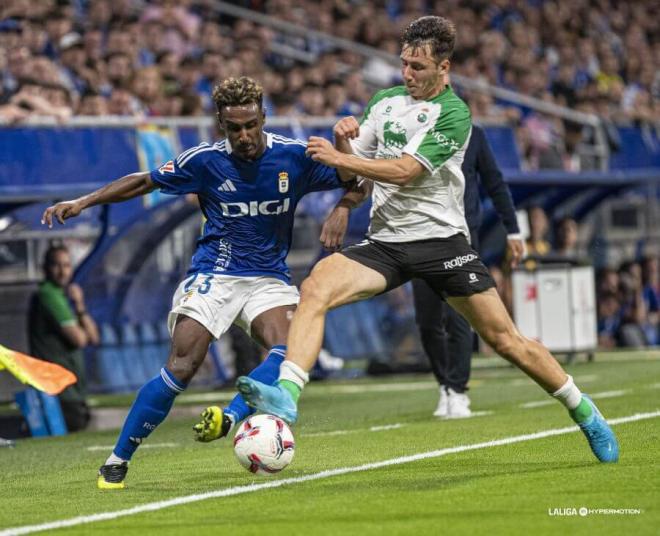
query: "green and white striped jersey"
436, 133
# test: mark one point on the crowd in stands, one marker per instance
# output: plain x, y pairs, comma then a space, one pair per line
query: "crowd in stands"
629, 304
162, 58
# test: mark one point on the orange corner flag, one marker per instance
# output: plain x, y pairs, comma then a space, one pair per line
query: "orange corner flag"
42, 375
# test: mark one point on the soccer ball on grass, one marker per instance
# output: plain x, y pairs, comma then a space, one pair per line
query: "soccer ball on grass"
264, 444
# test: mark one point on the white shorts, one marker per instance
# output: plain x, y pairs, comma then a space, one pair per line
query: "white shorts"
217, 301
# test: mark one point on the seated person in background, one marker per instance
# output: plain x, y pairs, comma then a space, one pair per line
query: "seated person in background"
566, 238
537, 243
59, 327
633, 308
651, 295
609, 319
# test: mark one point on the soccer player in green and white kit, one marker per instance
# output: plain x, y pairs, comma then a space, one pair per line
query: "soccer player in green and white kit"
411, 143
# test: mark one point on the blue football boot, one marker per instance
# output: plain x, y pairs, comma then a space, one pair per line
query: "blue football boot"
600, 436
271, 399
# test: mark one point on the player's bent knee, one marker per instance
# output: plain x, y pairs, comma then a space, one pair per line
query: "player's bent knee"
183, 365
314, 293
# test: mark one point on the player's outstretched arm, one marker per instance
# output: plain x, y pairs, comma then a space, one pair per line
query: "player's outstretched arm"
400, 171
122, 189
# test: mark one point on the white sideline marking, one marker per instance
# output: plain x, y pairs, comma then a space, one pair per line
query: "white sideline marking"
145, 446
334, 432
385, 427
548, 402
470, 416
375, 388
206, 397
151, 507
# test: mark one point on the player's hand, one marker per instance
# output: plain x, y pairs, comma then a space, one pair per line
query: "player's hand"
516, 249
61, 211
321, 150
334, 228
347, 128
76, 295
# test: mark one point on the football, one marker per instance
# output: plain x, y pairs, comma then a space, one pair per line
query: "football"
264, 444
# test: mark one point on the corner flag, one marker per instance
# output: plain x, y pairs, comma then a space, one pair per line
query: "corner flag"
42, 375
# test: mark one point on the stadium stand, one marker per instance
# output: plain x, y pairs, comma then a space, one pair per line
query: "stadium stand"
571, 109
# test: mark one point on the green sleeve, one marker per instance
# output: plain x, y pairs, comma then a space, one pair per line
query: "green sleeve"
445, 138
55, 302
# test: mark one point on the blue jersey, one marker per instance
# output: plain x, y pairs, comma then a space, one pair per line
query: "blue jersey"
249, 205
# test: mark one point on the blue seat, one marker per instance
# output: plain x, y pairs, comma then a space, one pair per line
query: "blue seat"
154, 355
134, 356
111, 367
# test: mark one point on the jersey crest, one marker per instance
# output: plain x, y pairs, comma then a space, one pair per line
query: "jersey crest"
394, 134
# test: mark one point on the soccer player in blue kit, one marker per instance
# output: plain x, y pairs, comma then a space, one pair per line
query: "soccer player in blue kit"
248, 186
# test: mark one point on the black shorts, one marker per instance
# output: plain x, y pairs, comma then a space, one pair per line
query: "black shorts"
449, 265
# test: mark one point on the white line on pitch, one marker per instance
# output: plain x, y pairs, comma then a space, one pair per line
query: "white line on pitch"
145, 446
385, 427
585, 378
344, 432
550, 401
238, 490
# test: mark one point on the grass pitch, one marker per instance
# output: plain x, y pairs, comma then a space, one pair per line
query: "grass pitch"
537, 485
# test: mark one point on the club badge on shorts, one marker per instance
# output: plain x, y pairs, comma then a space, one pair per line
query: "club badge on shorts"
283, 182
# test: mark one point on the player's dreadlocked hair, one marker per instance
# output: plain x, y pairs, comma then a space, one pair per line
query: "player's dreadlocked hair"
437, 32
236, 92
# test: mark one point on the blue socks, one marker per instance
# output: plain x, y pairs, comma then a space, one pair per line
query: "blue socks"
267, 373
153, 403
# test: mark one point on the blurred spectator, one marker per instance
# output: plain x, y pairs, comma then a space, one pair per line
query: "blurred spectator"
633, 307
651, 296
537, 243
609, 319
566, 238
92, 103
59, 327
601, 57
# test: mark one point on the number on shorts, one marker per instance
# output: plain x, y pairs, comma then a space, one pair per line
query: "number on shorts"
203, 288
187, 286
206, 285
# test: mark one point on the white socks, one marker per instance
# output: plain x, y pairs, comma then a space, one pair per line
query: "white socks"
293, 373
568, 394
114, 460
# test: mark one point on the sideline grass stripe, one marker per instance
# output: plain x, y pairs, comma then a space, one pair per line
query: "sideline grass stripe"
595, 396
238, 490
146, 446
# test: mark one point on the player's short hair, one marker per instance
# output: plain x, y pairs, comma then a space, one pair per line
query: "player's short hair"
438, 32
237, 92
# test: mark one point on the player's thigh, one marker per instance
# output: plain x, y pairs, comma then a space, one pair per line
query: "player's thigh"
271, 327
488, 316
338, 280
267, 312
190, 342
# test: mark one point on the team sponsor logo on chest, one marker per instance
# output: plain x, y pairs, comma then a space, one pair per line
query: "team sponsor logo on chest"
283, 182
394, 134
